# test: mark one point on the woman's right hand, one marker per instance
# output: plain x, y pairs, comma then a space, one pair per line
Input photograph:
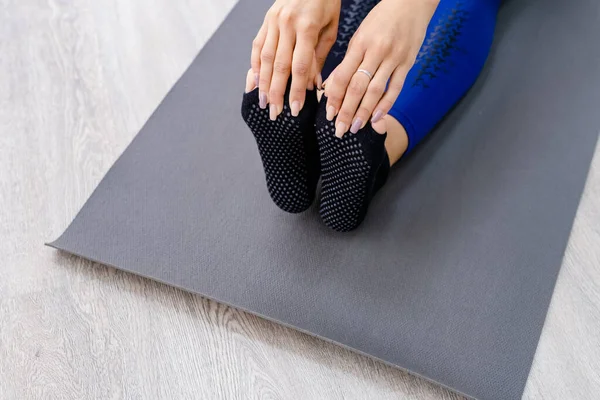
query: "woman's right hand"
295, 38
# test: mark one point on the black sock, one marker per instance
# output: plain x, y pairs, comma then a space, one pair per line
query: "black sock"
353, 169
288, 149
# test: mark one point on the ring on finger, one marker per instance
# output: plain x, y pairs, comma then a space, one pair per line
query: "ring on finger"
367, 73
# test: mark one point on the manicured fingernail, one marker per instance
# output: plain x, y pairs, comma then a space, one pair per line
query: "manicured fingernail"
296, 108
273, 112
340, 129
377, 116
262, 100
320, 82
256, 79
356, 125
330, 113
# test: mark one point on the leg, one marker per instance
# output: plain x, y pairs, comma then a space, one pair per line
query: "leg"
356, 166
455, 49
352, 13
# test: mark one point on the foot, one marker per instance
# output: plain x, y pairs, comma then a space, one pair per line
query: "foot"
353, 169
287, 147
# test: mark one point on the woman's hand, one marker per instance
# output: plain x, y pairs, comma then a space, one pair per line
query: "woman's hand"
295, 38
385, 45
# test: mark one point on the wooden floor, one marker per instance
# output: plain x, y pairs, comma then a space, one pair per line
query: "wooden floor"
77, 81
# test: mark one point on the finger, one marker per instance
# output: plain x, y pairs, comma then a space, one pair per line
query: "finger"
324, 84
380, 126
250, 84
267, 58
373, 95
257, 46
354, 94
338, 82
326, 41
391, 95
281, 71
302, 65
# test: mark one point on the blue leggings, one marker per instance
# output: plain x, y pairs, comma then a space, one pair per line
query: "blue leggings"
455, 49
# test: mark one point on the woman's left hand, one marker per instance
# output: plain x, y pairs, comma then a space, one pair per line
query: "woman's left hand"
385, 45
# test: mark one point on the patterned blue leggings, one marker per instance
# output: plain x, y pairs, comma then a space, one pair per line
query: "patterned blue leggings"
455, 49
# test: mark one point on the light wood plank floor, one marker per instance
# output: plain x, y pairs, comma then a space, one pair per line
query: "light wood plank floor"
77, 81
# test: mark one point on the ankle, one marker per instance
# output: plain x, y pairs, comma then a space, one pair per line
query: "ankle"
396, 142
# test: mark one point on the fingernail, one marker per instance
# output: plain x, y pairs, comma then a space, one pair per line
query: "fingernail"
356, 125
256, 79
273, 112
262, 100
296, 108
330, 113
377, 116
320, 82
340, 129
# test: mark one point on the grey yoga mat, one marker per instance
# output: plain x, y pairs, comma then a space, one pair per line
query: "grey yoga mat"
450, 276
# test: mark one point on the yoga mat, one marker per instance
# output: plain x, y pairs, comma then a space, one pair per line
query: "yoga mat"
450, 276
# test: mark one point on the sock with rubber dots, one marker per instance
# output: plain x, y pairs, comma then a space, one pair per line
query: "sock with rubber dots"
353, 169
288, 150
